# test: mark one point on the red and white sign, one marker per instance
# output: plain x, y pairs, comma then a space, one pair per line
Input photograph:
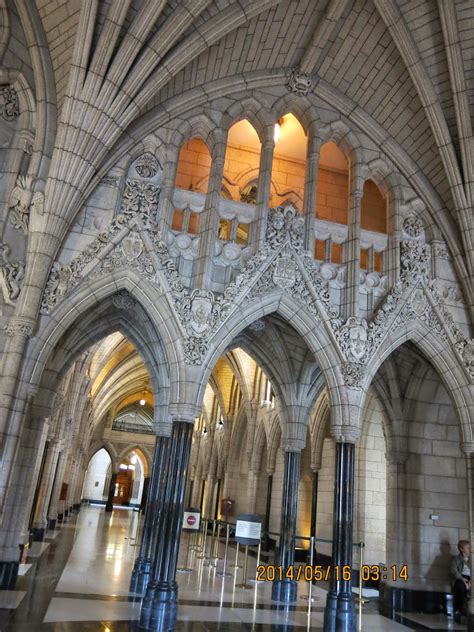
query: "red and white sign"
191, 521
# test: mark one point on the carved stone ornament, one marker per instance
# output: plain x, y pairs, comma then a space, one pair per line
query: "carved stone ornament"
284, 273
9, 108
20, 202
139, 198
199, 311
20, 327
412, 226
285, 225
147, 166
123, 300
440, 250
11, 276
257, 325
139, 202
300, 83
353, 374
353, 338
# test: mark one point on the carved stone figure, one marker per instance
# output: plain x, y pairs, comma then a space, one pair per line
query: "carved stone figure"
140, 198
285, 224
300, 83
11, 275
20, 202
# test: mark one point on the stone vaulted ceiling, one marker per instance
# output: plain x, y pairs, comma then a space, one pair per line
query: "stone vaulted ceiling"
401, 67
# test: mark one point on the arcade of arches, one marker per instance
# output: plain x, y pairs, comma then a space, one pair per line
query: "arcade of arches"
236, 279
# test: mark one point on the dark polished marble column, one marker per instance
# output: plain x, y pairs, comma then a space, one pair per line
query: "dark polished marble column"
109, 505
339, 615
268, 508
160, 604
314, 503
286, 589
142, 566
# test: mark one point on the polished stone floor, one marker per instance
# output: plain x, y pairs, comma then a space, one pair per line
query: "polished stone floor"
78, 580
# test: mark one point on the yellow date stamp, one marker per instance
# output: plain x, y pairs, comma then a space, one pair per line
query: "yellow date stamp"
305, 572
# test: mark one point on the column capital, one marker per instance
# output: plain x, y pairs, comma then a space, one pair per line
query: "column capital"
346, 434
396, 457
293, 445
467, 447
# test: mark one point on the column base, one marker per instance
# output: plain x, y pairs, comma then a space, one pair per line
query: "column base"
37, 534
285, 590
109, 507
51, 524
60, 517
160, 607
8, 575
339, 614
140, 575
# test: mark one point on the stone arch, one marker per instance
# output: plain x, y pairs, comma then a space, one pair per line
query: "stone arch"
259, 444
144, 457
445, 362
251, 109
316, 338
301, 107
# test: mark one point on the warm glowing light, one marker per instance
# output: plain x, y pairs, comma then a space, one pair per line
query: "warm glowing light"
142, 402
123, 466
133, 460
277, 132
131, 467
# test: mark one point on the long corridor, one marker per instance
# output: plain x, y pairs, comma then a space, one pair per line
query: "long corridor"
78, 579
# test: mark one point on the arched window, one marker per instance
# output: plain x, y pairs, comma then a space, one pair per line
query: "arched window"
242, 159
192, 174
332, 201
289, 162
194, 166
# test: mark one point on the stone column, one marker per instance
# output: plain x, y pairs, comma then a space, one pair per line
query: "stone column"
468, 449
339, 615
314, 502
159, 607
311, 188
263, 188
109, 505
285, 590
209, 504
40, 520
166, 205
142, 567
252, 484
210, 215
268, 509
53, 509
352, 246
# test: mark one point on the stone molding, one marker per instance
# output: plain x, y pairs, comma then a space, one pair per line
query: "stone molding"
9, 106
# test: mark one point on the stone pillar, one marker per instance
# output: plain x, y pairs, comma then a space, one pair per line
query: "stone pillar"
352, 246
210, 215
53, 509
311, 188
142, 567
109, 505
159, 607
166, 205
314, 502
468, 449
263, 188
339, 615
268, 509
210, 489
252, 484
285, 590
40, 519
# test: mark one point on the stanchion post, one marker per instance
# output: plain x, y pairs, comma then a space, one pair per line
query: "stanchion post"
203, 550
185, 568
223, 572
236, 565
244, 578
259, 551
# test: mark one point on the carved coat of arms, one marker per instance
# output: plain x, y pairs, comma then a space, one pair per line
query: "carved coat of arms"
284, 274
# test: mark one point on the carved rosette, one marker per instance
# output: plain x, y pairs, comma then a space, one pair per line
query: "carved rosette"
413, 226
353, 374
123, 300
